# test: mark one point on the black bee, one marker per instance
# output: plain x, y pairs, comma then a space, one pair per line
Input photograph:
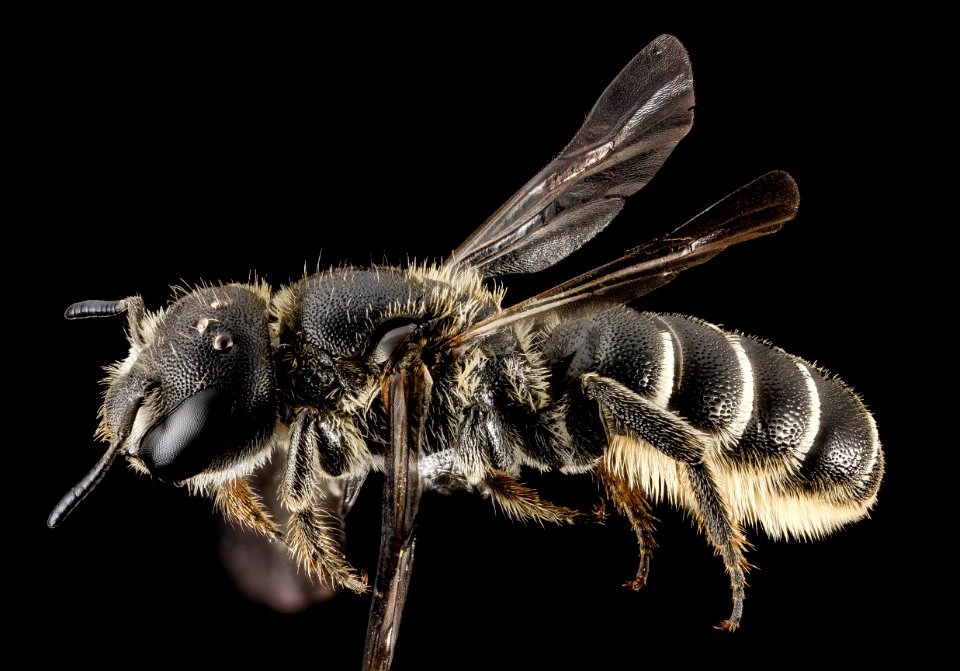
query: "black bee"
421, 373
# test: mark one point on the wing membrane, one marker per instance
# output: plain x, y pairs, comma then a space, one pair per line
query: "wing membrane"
626, 137
759, 208
407, 395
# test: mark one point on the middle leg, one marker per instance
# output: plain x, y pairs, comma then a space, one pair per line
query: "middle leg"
626, 412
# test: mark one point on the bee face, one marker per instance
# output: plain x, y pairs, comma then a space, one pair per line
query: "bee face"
207, 378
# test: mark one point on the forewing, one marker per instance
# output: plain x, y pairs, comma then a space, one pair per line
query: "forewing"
407, 394
759, 208
625, 139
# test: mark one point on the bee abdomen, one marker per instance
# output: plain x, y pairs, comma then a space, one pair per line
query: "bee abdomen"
791, 449
845, 456
786, 409
712, 385
797, 451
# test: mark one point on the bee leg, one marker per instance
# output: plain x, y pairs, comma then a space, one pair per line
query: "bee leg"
633, 505
627, 413
313, 533
438, 473
522, 503
488, 435
238, 502
726, 537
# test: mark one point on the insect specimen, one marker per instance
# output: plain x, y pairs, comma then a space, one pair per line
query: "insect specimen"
421, 372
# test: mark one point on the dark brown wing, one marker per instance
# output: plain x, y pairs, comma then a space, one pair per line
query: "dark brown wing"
759, 208
625, 139
406, 393
627, 136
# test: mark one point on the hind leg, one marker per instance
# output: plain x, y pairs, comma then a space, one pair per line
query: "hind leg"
627, 413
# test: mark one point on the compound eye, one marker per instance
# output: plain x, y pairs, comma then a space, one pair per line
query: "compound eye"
182, 443
223, 342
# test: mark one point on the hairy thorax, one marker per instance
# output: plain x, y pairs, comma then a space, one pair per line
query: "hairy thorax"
335, 332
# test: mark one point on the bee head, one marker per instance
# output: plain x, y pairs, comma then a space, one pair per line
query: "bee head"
195, 399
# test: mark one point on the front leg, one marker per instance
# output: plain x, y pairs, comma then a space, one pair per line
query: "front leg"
628, 413
238, 502
313, 534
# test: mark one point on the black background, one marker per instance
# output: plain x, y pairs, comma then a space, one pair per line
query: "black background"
160, 153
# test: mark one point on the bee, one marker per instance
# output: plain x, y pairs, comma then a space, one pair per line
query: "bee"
424, 374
